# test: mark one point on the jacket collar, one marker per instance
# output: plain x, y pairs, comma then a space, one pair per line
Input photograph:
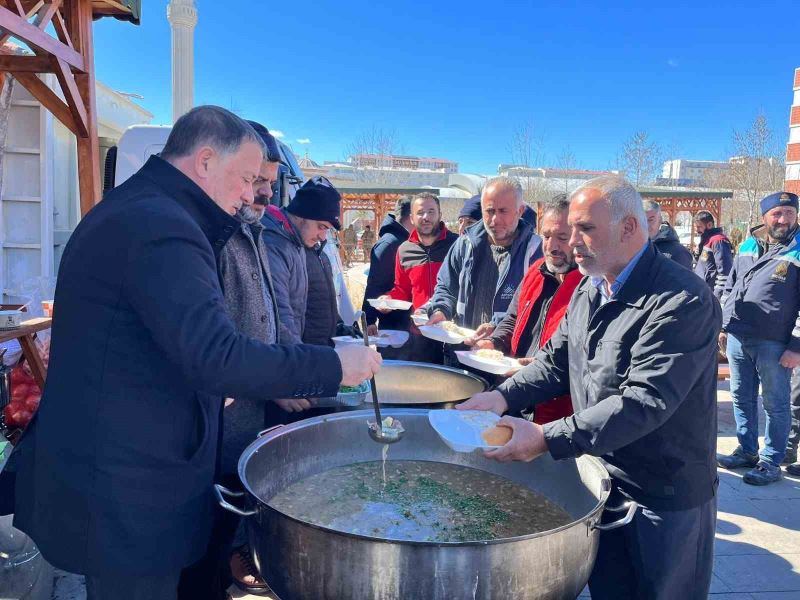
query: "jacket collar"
283, 224
217, 225
634, 290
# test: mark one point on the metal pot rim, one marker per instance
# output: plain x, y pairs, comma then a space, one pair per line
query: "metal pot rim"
277, 432
432, 367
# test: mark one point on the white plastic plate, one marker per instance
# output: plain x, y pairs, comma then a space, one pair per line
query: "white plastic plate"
435, 332
487, 365
389, 304
461, 429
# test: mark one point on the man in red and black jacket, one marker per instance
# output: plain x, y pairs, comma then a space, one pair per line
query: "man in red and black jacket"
540, 302
417, 265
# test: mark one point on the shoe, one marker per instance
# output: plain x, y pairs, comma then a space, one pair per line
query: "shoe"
791, 456
764, 473
737, 459
793, 469
244, 572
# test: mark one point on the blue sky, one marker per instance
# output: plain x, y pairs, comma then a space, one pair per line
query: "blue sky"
456, 79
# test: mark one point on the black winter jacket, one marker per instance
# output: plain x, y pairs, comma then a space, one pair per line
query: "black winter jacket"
322, 313
381, 274
669, 245
642, 373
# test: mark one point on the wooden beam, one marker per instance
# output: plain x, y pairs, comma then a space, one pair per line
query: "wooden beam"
61, 30
38, 39
48, 98
25, 64
73, 97
80, 22
46, 13
20, 11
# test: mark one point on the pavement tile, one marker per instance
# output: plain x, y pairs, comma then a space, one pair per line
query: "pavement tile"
760, 573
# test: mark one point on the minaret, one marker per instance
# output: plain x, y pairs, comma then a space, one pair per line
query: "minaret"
793, 148
182, 16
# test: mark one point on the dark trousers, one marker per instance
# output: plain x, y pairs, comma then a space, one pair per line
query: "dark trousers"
210, 577
660, 555
794, 434
132, 587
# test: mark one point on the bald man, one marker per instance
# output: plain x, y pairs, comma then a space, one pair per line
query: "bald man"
636, 351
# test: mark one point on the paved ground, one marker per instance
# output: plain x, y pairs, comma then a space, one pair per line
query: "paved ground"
758, 534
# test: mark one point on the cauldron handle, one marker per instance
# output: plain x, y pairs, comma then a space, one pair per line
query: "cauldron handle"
631, 507
220, 490
268, 429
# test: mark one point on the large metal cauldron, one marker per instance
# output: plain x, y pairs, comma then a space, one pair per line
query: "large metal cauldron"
305, 562
421, 385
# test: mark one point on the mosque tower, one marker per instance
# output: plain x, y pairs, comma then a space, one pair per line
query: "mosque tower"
182, 16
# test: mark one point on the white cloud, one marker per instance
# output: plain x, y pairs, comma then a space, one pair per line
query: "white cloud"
672, 62
303, 141
277, 133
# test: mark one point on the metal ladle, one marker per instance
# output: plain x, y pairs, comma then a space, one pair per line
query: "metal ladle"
377, 433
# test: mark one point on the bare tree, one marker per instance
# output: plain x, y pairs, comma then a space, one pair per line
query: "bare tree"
566, 161
371, 155
527, 156
757, 167
640, 158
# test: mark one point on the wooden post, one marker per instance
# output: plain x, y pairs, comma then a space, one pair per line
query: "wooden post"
80, 21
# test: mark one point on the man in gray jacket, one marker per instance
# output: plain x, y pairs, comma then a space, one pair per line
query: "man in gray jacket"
637, 353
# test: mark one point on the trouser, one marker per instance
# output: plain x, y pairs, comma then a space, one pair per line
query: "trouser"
132, 587
794, 434
754, 360
660, 555
210, 577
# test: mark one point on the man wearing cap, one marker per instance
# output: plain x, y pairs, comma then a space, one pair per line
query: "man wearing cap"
291, 232
714, 253
470, 214
761, 336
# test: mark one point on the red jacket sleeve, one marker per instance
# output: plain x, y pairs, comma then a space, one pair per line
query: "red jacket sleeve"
402, 282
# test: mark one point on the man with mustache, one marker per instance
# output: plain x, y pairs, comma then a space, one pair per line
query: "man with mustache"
541, 302
761, 336
664, 237
637, 352
485, 265
417, 265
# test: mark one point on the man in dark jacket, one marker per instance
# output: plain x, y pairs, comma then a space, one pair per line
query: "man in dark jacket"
115, 473
714, 257
250, 299
664, 237
761, 336
393, 232
484, 267
541, 302
636, 350
417, 266
294, 236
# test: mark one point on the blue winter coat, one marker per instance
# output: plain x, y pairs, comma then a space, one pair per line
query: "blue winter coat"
115, 473
762, 294
454, 295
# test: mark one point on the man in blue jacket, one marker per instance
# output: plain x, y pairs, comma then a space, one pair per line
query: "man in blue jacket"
485, 265
761, 336
714, 253
115, 473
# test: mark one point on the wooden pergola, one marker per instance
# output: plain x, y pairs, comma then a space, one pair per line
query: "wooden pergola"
379, 199
70, 57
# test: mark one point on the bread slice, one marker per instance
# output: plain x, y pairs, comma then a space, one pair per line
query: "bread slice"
498, 435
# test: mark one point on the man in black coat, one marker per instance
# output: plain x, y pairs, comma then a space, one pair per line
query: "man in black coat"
115, 473
664, 237
636, 351
394, 231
